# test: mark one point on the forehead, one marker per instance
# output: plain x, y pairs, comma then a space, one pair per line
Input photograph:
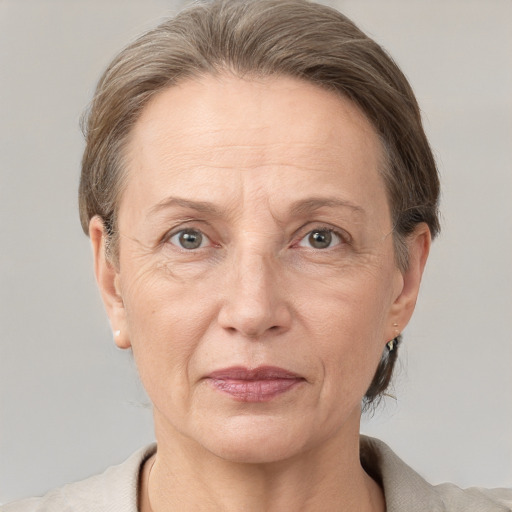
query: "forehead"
278, 136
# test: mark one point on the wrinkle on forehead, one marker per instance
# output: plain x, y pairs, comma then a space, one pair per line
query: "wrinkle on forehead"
228, 141
255, 119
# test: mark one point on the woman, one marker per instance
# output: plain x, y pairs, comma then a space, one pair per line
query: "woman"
261, 199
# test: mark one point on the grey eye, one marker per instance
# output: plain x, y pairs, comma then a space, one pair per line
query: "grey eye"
189, 239
320, 239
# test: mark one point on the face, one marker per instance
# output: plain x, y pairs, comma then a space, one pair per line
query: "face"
256, 283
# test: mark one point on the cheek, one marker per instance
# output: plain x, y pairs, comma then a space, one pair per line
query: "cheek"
166, 320
347, 318
353, 303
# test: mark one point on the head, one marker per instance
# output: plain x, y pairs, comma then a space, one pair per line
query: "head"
272, 50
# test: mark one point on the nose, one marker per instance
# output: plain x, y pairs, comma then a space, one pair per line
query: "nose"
255, 303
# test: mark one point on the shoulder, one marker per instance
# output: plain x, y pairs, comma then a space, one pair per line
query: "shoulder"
475, 498
406, 491
113, 490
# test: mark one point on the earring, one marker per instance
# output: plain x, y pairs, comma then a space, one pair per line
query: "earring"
392, 344
117, 333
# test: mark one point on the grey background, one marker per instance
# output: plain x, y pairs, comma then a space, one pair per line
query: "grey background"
71, 404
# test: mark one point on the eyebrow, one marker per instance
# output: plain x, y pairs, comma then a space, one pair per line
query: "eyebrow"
199, 206
315, 203
300, 207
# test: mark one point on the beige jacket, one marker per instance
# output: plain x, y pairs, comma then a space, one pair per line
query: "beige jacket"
405, 491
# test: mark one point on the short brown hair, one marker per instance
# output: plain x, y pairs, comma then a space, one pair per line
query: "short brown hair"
295, 38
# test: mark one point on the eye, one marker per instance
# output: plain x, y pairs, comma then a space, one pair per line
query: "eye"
189, 239
320, 239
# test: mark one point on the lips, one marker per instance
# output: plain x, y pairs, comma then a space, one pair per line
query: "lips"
260, 384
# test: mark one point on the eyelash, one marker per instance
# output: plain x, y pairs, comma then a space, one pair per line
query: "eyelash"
343, 238
168, 238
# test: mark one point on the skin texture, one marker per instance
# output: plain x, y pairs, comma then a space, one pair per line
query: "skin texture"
256, 166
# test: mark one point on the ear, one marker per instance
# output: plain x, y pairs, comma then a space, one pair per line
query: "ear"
107, 277
418, 245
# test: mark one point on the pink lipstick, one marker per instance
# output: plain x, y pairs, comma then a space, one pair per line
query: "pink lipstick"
258, 385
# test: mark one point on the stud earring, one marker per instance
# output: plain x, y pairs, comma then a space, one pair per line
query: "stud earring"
392, 344
117, 333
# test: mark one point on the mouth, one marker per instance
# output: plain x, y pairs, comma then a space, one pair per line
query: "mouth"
260, 384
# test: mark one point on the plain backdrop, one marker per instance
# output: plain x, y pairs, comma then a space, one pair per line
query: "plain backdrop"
71, 403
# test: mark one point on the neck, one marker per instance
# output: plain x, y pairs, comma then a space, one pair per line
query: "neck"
182, 476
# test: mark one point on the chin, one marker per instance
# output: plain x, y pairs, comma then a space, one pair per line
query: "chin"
251, 452
255, 441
